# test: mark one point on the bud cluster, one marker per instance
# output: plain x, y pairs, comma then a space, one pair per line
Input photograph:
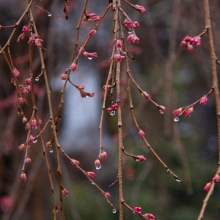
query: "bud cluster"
188, 42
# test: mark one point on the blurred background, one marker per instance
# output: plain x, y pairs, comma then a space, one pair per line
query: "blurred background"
172, 75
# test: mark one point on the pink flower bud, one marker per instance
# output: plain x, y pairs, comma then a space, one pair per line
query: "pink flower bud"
118, 44
203, 100
91, 174
33, 123
25, 28
137, 210
196, 40
190, 47
188, 111
21, 100
207, 186
73, 66
28, 160
140, 8
146, 95
80, 87
75, 162
216, 178
21, 147
31, 40
15, 72
187, 39
149, 216
140, 158
97, 164
92, 32
28, 81
128, 23
183, 43
162, 109
28, 126
64, 76
177, 112
118, 57
24, 119
141, 133
136, 24
90, 94
104, 155
49, 144
38, 42
23, 176
65, 192
83, 94
107, 195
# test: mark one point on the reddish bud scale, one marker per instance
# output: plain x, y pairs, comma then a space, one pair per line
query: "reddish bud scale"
216, 178
80, 87
149, 216
177, 112
15, 72
65, 192
104, 155
23, 177
28, 160
21, 147
188, 111
73, 66
117, 57
203, 100
107, 195
140, 8
75, 162
118, 44
141, 133
146, 95
25, 28
140, 158
64, 76
92, 32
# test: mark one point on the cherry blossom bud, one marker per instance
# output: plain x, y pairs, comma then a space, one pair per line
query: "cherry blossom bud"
207, 186
188, 111
39, 122
90, 55
118, 57
216, 178
183, 43
49, 143
80, 87
28, 160
137, 210
136, 24
83, 94
146, 95
15, 72
187, 39
24, 119
128, 23
91, 174
203, 100
104, 155
65, 192
196, 40
115, 106
25, 28
107, 195
140, 158
73, 66
21, 147
23, 176
31, 40
28, 126
75, 162
162, 109
118, 44
190, 47
177, 112
33, 123
140, 8
21, 100
38, 42
90, 94
97, 164
64, 76
149, 216
141, 133
92, 32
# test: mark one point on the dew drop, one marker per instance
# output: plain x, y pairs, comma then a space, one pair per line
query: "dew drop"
51, 150
178, 180
114, 211
89, 58
112, 113
98, 167
49, 14
37, 78
92, 183
129, 32
35, 141
162, 111
176, 119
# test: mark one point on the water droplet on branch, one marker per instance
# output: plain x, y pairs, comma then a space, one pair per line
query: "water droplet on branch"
51, 150
112, 113
176, 119
114, 211
37, 78
49, 14
35, 141
98, 167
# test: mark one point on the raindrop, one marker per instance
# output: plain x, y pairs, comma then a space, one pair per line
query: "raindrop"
35, 127
114, 211
112, 113
168, 171
162, 111
122, 57
49, 14
35, 141
37, 78
98, 167
176, 119
129, 32
178, 180
89, 58
92, 183
51, 150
